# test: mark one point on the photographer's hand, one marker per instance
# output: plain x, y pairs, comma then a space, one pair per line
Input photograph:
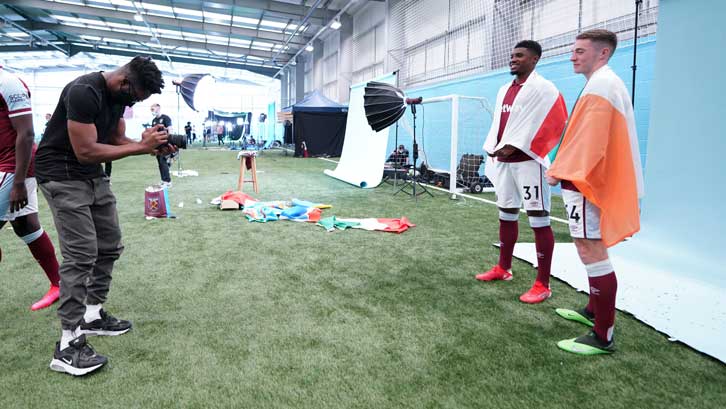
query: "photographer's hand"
167, 149
152, 137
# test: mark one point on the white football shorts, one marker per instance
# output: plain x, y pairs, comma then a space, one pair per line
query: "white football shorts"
6, 185
583, 216
522, 183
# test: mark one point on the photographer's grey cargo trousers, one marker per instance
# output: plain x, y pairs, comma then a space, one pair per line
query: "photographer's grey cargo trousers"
84, 212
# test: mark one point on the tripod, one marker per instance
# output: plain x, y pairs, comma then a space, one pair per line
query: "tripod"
409, 186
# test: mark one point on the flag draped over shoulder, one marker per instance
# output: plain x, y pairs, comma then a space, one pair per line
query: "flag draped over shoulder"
599, 154
535, 123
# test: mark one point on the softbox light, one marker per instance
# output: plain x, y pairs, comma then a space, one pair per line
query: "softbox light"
384, 104
197, 91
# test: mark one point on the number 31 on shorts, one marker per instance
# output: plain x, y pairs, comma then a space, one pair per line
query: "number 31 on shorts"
528, 192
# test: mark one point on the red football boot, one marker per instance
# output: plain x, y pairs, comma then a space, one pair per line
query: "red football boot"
48, 299
495, 273
536, 294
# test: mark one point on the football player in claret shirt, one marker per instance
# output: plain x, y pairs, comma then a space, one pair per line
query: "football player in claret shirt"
18, 187
529, 117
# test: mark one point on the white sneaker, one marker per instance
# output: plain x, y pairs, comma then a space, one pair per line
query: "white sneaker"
165, 184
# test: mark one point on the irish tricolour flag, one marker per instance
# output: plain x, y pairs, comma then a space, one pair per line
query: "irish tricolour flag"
599, 154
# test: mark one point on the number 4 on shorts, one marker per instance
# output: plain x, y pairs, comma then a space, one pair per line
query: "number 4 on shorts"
574, 214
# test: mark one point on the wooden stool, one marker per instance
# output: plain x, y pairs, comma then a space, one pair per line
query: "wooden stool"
243, 157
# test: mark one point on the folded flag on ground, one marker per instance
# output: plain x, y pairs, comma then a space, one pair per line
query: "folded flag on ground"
299, 210
388, 225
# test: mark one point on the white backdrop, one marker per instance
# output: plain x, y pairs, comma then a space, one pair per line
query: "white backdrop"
364, 150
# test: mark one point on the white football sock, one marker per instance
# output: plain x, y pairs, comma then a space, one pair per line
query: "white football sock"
67, 335
93, 312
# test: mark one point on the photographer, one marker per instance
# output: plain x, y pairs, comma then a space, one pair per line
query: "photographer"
86, 130
399, 157
164, 161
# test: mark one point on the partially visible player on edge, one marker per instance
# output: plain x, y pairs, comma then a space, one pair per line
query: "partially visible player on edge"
529, 117
18, 187
598, 165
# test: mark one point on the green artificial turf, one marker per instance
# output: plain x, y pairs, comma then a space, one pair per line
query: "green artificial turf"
233, 314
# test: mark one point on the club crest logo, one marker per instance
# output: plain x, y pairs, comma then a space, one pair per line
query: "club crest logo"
153, 204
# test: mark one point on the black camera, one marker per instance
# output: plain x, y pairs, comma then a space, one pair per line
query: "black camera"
179, 141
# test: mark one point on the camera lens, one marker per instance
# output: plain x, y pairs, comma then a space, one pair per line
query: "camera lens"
179, 141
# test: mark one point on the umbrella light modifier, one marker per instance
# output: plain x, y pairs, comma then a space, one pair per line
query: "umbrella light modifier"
197, 90
384, 104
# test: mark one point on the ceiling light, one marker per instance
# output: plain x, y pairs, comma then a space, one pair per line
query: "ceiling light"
138, 17
335, 24
309, 48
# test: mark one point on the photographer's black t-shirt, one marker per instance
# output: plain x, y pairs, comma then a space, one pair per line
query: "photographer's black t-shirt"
83, 100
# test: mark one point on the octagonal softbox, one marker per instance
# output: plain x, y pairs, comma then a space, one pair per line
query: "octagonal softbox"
193, 88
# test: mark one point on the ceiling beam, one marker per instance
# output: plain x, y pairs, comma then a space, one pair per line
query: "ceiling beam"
27, 47
75, 49
269, 72
210, 28
34, 26
285, 10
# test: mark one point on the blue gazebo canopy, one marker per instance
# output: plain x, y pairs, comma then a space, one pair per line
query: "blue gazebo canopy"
317, 102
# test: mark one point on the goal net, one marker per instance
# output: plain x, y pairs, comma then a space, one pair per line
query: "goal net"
438, 40
450, 131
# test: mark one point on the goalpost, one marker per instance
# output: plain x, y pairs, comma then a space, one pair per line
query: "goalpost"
460, 124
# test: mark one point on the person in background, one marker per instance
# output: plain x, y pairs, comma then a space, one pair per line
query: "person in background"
164, 161
107, 167
398, 157
220, 134
18, 186
188, 132
47, 119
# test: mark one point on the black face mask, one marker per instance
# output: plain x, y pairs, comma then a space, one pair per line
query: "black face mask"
124, 98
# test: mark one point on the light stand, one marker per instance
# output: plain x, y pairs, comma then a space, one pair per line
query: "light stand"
397, 161
413, 181
178, 122
638, 3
